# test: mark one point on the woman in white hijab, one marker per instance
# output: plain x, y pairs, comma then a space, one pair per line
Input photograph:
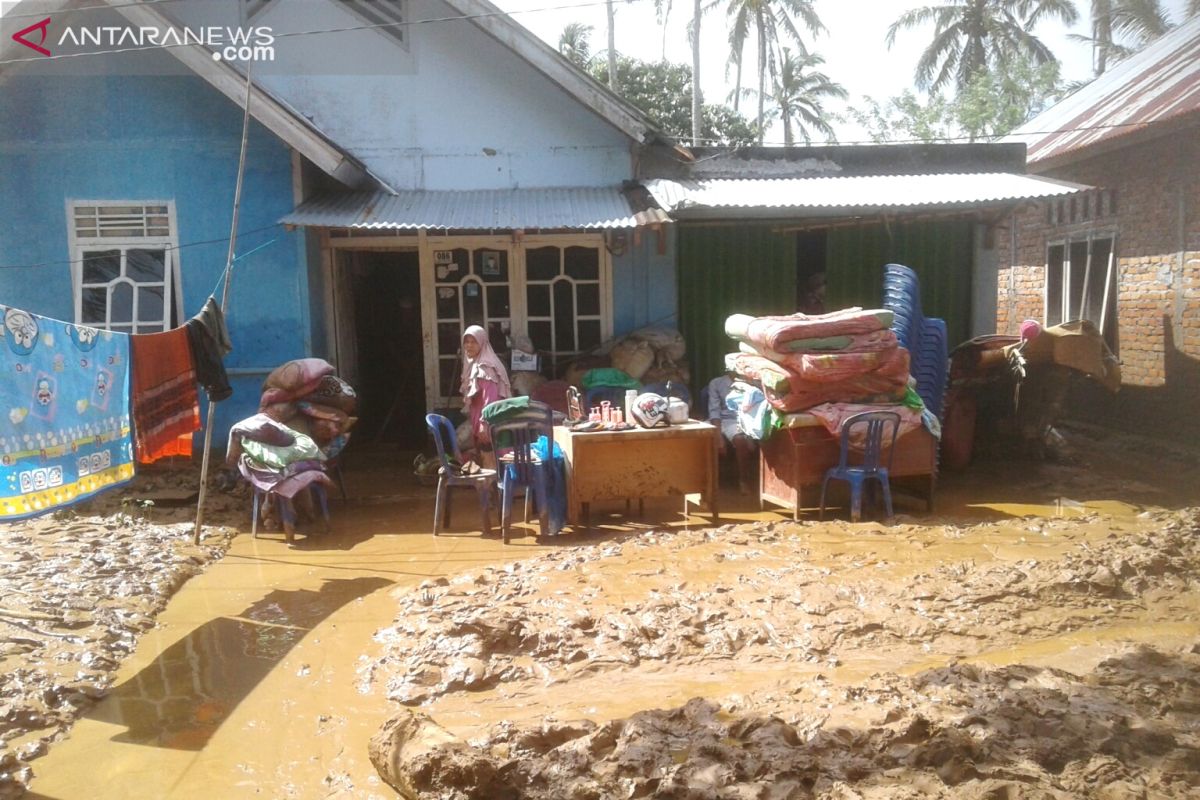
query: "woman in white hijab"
484, 380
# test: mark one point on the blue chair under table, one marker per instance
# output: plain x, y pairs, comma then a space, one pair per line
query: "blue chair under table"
450, 475
515, 439
876, 424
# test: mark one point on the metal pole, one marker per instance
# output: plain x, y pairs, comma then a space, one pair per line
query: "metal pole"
237, 204
1108, 276
1087, 278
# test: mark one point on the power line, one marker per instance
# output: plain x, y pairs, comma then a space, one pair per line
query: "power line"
290, 34
103, 7
171, 247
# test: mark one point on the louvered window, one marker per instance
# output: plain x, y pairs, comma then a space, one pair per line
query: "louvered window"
124, 266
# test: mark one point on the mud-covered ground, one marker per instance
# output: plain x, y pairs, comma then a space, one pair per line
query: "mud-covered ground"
1047, 657
77, 589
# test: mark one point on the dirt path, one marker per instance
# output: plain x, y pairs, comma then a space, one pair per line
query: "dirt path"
878, 647
794, 661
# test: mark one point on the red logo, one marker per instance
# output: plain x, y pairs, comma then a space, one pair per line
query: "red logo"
42, 26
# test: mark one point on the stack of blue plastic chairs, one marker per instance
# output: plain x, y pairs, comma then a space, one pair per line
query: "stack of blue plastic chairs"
924, 337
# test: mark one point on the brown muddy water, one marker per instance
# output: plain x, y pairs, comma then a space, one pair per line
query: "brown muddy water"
896, 657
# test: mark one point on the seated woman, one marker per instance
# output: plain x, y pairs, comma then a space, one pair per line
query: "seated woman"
721, 416
484, 381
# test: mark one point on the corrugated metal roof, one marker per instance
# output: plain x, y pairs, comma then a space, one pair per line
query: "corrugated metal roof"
1159, 82
581, 208
851, 193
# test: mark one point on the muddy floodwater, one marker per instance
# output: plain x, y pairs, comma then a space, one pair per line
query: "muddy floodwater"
1038, 636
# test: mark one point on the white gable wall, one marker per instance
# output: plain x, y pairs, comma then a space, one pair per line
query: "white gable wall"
453, 110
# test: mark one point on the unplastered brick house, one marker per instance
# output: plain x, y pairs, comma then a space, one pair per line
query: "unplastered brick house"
1125, 253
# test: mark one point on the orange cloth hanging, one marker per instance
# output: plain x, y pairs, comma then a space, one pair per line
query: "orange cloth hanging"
166, 406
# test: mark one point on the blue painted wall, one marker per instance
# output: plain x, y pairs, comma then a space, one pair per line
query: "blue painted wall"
644, 288
153, 137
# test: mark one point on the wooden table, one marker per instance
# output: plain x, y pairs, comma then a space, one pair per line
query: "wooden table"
795, 458
654, 462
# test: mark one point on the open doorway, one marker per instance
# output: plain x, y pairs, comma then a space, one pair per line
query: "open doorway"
389, 345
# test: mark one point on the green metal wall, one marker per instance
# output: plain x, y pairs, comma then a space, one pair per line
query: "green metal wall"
940, 252
728, 269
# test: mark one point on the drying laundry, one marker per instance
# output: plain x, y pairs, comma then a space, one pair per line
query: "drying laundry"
65, 429
209, 341
166, 407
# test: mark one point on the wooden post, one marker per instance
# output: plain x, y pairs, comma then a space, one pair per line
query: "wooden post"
237, 203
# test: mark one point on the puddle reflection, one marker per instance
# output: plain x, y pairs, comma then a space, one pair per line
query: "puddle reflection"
180, 699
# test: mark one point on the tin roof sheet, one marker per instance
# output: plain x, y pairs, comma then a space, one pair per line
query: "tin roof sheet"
866, 192
1159, 82
579, 208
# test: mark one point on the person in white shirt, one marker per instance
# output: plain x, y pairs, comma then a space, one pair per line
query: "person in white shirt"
725, 418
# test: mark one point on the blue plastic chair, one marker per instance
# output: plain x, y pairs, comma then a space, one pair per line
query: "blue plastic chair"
450, 477
876, 423
514, 439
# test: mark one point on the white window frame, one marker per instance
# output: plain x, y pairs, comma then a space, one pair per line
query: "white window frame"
1107, 271
518, 312
78, 245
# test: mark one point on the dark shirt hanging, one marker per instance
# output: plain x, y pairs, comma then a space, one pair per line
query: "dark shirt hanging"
209, 341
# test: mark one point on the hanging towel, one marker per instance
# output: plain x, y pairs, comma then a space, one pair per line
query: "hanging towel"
208, 339
166, 407
64, 413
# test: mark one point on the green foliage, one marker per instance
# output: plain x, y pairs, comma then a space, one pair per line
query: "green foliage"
988, 107
663, 90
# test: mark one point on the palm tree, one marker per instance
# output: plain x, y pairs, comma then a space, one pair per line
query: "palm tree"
1136, 21
798, 92
612, 45
697, 99
976, 36
771, 21
574, 43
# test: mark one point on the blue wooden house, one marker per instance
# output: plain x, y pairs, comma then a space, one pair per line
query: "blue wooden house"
412, 169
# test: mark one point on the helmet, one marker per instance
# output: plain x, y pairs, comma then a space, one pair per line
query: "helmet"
649, 410
677, 411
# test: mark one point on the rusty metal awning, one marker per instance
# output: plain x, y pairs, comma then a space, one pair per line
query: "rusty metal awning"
577, 208
824, 196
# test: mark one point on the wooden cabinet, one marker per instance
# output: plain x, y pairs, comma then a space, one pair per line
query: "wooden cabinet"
795, 459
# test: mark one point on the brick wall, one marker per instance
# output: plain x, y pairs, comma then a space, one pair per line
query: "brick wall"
1156, 221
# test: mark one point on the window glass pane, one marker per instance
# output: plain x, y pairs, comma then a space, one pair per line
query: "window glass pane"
150, 304
539, 332
447, 302
539, 300
588, 296
149, 328
120, 300
492, 265
101, 266
497, 301
121, 328
542, 263
1054, 284
473, 303
449, 336
95, 301
145, 266
589, 333
448, 369
583, 263
451, 271
564, 316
